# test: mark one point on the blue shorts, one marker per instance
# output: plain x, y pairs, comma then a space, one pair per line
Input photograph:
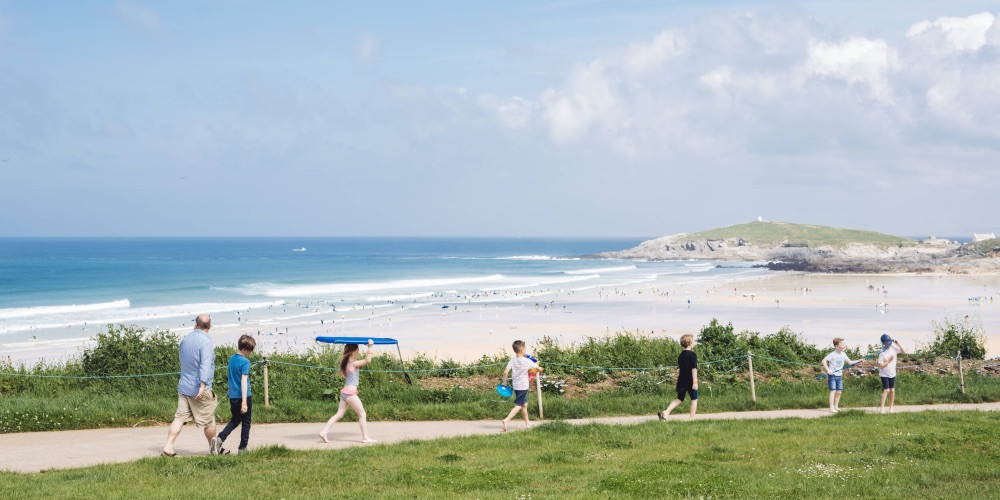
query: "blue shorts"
692, 392
888, 382
521, 397
835, 382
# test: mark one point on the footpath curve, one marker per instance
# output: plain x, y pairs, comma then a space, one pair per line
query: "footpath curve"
38, 451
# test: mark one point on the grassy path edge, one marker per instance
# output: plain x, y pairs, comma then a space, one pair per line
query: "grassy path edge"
38, 451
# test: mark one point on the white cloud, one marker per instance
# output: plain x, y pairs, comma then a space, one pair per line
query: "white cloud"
958, 33
140, 16
643, 57
855, 60
718, 79
514, 112
367, 48
747, 85
588, 97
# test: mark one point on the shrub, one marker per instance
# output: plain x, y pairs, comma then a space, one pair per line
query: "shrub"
958, 336
130, 350
641, 384
553, 385
717, 342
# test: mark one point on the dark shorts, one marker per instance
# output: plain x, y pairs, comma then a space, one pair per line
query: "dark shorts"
888, 382
521, 398
692, 392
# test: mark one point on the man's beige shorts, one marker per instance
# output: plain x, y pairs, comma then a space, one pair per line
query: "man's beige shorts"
202, 411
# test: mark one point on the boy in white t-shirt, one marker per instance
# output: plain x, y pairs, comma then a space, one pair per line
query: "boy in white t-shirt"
833, 363
519, 364
887, 369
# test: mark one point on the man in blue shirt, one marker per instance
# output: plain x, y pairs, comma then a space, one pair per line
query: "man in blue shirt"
195, 398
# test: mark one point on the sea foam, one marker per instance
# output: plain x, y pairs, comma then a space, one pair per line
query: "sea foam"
601, 270
272, 290
27, 312
64, 318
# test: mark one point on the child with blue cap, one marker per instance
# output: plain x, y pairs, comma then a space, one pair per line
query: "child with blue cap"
887, 369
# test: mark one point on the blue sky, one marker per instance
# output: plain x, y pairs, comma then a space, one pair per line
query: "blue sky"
564, 118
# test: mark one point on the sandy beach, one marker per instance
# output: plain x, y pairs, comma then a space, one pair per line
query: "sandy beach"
858, 308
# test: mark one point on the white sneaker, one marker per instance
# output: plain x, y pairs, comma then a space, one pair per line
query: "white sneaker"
214, 446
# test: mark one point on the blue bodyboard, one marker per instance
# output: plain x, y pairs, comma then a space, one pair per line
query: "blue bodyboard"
357, 340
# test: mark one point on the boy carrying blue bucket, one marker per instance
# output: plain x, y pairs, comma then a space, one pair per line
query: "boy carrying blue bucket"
519, 365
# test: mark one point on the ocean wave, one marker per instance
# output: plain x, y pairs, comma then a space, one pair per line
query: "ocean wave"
396, 298
272, 290
535, 257
27, 312
130, 315
601, 270
534, 282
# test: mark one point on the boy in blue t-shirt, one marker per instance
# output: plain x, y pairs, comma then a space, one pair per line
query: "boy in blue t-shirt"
239, 393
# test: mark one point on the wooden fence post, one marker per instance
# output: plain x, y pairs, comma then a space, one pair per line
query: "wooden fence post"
961, 376
753, 389
538, 387
267, 397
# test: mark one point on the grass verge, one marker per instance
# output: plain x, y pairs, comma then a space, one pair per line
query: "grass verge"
852, 454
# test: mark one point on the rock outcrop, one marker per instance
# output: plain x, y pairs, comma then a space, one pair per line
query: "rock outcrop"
846, 258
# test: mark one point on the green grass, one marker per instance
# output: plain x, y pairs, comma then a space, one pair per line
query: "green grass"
95, 407
918, 455
791, 234
990, 246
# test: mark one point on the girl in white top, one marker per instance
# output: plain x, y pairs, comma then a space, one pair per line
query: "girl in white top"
349, 366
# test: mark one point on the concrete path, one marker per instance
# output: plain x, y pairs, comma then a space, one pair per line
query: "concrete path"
36, 451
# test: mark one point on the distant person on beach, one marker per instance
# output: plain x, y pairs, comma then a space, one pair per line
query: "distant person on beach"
687, 378
240, 403
518, 367
887, 369
833, 363
195, 398
350, 369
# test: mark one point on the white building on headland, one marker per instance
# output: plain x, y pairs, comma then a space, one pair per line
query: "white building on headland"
983, 236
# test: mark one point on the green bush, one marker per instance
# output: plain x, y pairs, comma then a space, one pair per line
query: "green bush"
642, 383
130, 350
953, 336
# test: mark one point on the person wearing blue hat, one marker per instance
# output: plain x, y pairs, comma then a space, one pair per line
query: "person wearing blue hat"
887, 369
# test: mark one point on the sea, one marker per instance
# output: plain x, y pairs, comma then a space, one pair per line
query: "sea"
63, 290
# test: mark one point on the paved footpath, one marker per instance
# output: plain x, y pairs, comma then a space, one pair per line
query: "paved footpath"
36, 451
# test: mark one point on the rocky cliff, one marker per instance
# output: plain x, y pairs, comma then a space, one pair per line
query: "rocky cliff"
801, 256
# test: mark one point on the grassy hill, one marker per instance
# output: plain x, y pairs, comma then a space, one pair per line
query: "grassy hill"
990, 246
805, 235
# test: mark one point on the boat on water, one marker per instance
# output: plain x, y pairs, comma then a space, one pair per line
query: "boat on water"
303, 249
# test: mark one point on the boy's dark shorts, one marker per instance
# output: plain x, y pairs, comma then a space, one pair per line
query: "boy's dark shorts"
521, 398
692, 392
888, 382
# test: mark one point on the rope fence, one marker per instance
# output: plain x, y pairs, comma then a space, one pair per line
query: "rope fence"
749, 357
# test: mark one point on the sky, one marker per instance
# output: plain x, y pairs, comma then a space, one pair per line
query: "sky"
537, 118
